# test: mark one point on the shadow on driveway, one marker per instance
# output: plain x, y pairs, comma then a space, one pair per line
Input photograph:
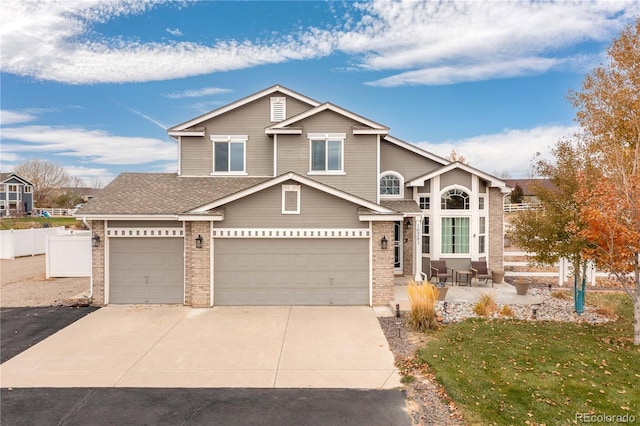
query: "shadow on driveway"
24, 327
223, 406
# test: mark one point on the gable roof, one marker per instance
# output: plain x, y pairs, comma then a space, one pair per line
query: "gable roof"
4, 177
300, 179
370, 125
177, 129
417, 150
493, 181
160, 194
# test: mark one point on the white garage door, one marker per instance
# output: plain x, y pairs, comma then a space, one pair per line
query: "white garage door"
291, 271
146, 270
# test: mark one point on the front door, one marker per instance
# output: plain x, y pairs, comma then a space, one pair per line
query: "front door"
397, 248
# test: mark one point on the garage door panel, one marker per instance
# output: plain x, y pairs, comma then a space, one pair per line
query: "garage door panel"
291, 271
146, 270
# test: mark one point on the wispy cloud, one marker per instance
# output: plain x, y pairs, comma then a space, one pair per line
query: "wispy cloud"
509, 151
97, 146
197, 93
147, 117
90, 175
15, 117
419, 42
175, 32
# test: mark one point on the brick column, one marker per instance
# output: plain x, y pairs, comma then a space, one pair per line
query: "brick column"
408, 247
97, 263
382, 267
197, 265
496, 230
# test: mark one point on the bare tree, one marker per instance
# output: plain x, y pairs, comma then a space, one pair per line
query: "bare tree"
46, 177
457, 156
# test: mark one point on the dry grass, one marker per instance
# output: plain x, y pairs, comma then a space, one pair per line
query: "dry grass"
506, 311
562, 295
423, 306
486, 305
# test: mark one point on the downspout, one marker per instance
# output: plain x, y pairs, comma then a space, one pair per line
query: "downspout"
84, 221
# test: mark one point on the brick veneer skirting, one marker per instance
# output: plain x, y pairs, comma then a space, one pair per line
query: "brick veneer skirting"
197, 265
97, 253
382, 273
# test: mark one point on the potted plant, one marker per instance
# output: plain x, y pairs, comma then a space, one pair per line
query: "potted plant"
442, 290
521, 287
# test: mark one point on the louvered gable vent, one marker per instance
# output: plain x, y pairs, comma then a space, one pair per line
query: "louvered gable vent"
278, 109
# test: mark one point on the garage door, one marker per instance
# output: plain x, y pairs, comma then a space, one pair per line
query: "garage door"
291, 271
146, 270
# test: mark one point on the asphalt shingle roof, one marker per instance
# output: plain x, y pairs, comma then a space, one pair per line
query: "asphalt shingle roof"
162, 193
402, 206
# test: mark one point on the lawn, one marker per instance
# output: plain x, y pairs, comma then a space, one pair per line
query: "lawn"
36, 222
515, 372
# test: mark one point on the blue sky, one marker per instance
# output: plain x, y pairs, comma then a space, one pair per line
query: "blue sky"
92, 85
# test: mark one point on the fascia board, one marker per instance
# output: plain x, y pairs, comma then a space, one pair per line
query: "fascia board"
416, 150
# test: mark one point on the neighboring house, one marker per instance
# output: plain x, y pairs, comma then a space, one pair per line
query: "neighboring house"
16, 195
528, 188
283, 200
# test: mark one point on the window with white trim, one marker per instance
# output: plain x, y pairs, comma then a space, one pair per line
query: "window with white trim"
425, 203
290, 199
13, 188
229, 154
278, 109
455, 235
426, 236
455, 199
2, 205
481, 202
482, 231
27, 189
327, 153
391, 185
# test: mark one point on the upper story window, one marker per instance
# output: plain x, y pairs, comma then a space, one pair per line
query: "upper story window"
229, 154
481, 203
455, 199
391, 185
27, 189
425, 203
13, 188
327, 152
278, 109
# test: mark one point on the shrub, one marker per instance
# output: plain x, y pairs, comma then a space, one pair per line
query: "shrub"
486, 305
423, 306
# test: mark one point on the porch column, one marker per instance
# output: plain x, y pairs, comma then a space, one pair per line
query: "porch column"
197, 265
417, 258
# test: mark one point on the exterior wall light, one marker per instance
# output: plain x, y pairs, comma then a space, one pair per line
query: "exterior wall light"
384, 243
95, 240
408, 223
199, 241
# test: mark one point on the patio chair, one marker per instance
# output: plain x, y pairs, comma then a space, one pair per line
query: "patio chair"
481, 272
440, 271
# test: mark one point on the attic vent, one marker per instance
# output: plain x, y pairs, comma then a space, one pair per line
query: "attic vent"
278, 109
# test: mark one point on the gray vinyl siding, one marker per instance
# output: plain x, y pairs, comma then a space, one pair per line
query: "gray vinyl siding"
144, 224
425, 189
482, 187
455, 177
264, 210
196, 156
409, 164
251, 120
359, 155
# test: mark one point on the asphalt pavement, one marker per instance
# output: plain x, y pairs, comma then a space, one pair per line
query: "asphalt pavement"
220, 407
21, 328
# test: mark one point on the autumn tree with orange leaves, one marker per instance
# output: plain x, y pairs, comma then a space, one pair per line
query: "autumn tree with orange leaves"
609, 114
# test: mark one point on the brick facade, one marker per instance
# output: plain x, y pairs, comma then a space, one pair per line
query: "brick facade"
197, 264
97, 253
382, 268
496, 231
408, 243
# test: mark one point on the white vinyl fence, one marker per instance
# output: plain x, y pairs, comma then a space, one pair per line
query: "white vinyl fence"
25, 242
69, 255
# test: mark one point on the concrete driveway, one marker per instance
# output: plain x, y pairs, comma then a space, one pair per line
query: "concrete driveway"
175, 346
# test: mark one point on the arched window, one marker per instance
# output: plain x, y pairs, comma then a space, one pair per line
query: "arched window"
455, 199
391, 185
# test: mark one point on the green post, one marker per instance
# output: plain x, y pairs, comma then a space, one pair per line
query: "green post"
578, 294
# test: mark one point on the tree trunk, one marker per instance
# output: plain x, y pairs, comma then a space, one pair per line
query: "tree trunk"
636, 322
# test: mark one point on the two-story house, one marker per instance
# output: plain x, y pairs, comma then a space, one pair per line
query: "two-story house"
16, 195
282, 200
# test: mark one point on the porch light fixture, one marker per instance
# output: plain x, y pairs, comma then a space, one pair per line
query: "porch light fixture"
95, 240
199, 241
384, 243
408, 224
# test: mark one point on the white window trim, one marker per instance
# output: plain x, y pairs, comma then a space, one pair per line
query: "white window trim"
482, 234
399, 176
471, 240
230, 139
290, 188
27, 190
13, 185
326, 137
484, 203
2, 205
430, 201
455, 212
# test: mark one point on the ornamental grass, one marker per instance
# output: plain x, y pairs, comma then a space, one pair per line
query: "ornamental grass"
423, 306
